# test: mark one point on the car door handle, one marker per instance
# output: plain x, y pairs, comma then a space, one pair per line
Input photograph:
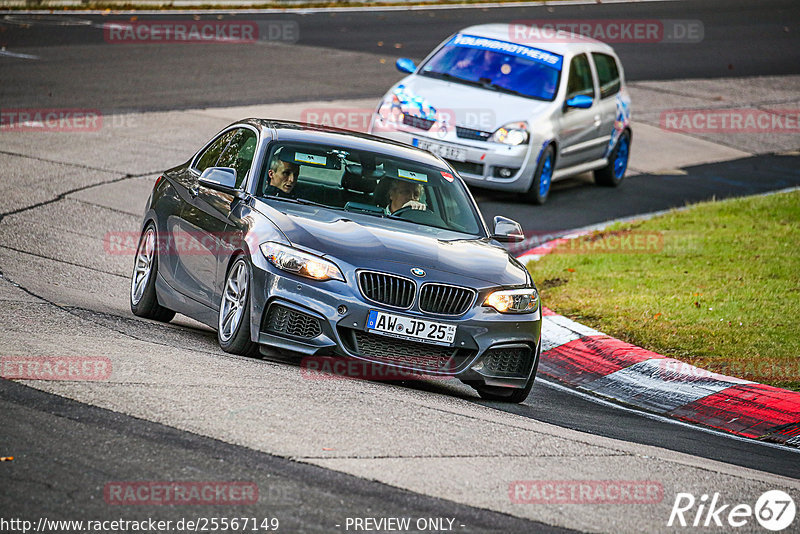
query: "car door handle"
597, 121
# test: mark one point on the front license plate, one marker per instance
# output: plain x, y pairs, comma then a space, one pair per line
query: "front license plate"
403, 327
445, 151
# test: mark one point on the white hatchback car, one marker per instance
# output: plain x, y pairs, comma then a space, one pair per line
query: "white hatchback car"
514, 115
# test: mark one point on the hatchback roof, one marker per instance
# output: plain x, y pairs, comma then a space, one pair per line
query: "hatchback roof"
566, 43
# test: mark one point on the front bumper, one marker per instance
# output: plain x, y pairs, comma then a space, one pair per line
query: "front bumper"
483, 162
327, 318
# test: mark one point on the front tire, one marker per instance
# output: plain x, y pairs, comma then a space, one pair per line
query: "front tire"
612, 174
233, 324
501, 394
513, 395
143, 298
542, 179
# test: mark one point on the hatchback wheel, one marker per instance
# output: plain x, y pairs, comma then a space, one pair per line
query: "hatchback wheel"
612, 174
143, 298
540, 187
233, 327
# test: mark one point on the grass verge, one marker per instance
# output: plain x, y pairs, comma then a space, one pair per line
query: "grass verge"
717, 285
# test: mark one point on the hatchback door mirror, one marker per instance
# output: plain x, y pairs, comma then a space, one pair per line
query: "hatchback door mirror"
219, 178
507, 230
405, 65
580, 101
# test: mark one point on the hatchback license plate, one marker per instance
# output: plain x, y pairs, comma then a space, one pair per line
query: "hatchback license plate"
403, 327
445, 151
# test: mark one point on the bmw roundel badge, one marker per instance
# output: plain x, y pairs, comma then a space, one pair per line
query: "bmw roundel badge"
416, 271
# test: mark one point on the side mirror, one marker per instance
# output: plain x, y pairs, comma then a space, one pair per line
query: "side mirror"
405, 65
507, 230
219, 178
580, 101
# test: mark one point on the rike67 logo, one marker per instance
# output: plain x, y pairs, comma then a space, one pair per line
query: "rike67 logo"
774, 510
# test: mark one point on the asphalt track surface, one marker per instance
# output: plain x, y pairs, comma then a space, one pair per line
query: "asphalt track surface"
94, 446
741, 39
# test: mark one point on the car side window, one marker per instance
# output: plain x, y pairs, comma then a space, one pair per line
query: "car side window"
607, 74
210, 156
239, 153
580, 77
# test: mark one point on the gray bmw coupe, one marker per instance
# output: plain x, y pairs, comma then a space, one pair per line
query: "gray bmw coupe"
327, 242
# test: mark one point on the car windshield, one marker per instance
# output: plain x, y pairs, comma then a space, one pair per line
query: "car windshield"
370, 183
497, 65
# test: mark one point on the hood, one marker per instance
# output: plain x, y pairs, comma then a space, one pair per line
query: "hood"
473, 107
378, 244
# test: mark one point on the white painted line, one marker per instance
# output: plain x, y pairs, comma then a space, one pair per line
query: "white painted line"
6, 53
661, 418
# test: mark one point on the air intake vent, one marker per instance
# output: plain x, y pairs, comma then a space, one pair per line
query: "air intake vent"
417, 122
508, 360
475, 135
444, 299
288, 322
387, 289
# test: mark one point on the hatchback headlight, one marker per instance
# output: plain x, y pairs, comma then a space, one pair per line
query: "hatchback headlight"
513, 300
300, 263
513, 133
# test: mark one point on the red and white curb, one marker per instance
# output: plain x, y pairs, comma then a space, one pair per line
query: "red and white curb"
588, 360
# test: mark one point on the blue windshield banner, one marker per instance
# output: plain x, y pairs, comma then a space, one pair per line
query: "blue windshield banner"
494, 45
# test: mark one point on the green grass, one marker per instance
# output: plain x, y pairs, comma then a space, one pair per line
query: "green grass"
717, 285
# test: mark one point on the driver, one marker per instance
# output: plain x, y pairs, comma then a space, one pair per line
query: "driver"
282, 177
404, 194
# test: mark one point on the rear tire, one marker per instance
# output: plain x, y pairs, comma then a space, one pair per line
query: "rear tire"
143, 297
233, 325
612, 174
542, 178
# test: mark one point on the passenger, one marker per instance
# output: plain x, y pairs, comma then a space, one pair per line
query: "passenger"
404, 194
282, 177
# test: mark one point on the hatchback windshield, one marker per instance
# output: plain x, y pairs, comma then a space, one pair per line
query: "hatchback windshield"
368, 183
497, 65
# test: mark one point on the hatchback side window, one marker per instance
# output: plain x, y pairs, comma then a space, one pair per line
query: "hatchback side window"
211, 155
607, 74
580, 77
239, 153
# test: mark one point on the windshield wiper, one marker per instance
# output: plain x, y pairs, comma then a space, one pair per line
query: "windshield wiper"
451, 77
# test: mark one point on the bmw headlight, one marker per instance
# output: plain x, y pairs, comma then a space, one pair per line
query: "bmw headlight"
513, 300
513, 133
300, 263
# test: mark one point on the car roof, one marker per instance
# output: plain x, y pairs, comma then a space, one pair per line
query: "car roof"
312, 133
573, 43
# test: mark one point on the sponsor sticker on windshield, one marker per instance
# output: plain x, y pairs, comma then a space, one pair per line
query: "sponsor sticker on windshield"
514, 49
411, 175
310, 158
